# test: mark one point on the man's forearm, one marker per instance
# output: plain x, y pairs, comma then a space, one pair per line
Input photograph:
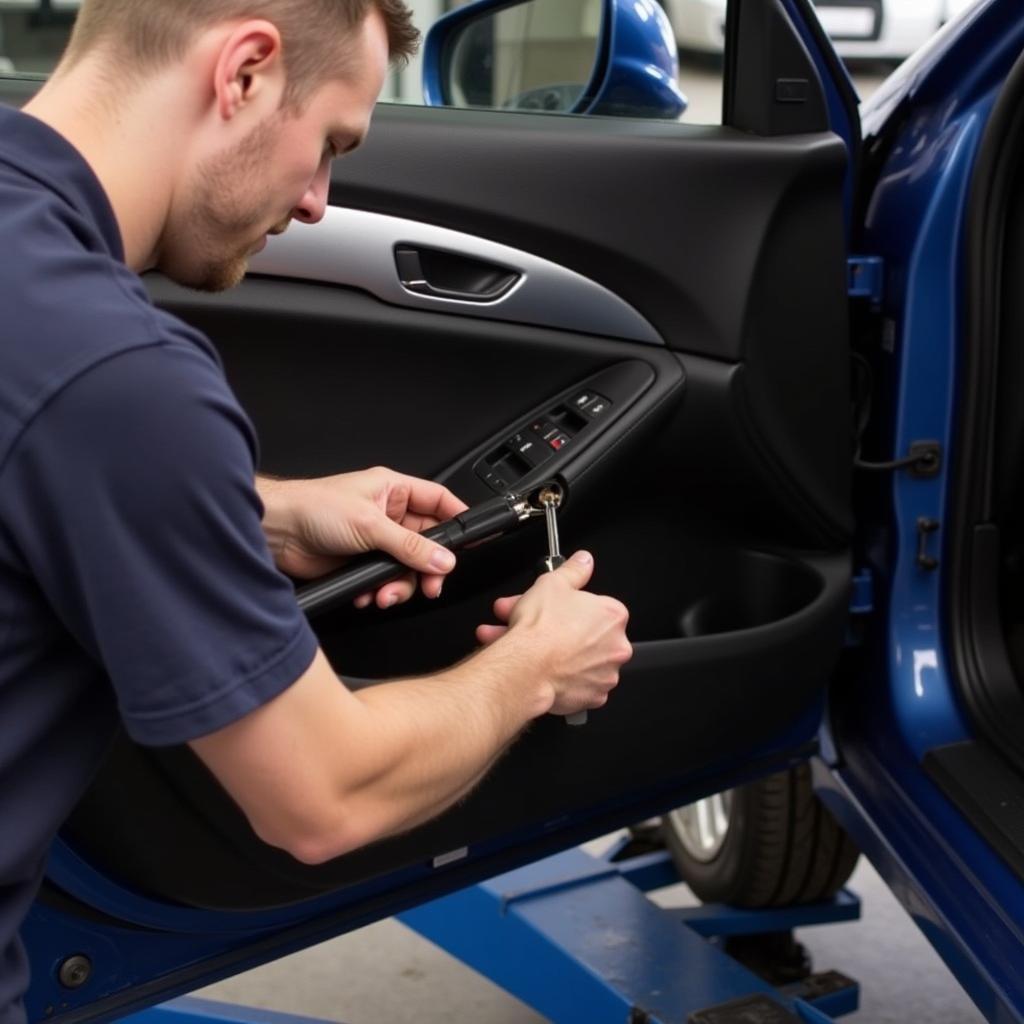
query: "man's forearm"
431, 764
365, 765
320, 770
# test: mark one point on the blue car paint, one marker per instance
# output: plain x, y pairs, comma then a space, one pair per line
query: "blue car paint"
918, 231
636, 70
904, 702
946, 64
643, 70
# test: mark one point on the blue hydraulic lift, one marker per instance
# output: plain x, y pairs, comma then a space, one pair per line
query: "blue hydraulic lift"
576, 937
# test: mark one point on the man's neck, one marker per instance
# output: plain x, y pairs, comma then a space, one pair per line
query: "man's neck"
132, 152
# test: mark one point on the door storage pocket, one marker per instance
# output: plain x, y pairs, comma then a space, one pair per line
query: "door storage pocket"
755, 590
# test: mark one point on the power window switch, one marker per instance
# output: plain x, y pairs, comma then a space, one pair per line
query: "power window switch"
493, 480
559, 441
583, 399
597, 407
530, 447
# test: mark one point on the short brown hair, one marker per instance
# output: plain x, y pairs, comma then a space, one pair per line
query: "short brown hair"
149, 34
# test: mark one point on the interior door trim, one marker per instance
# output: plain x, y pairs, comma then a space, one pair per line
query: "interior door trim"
356, 248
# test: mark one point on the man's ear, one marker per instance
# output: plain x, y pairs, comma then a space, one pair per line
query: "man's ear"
250, 69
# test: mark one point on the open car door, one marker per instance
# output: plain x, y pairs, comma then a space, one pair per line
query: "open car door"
653, 314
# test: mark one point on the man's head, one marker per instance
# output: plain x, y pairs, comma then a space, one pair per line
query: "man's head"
317, 35
269, 91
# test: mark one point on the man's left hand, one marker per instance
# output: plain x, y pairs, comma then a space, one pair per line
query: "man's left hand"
314, 526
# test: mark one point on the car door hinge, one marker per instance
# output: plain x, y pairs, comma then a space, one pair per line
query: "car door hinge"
926, 526
865, 278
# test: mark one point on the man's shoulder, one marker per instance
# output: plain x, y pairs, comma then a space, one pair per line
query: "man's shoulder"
69, 311
161, 408
70, 303
57, 267
63, 283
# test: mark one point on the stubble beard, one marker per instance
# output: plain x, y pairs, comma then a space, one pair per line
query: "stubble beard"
226, 210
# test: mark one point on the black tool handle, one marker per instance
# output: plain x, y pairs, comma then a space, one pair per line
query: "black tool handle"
371, 571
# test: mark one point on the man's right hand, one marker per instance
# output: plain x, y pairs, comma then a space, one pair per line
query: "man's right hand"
321, 770
576, 640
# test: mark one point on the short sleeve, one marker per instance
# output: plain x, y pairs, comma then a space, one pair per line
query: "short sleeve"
130, 499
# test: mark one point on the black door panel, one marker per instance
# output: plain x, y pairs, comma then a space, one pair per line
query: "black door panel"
731, 245
705, 230
336, 380
716, 502
738, 630
668, 498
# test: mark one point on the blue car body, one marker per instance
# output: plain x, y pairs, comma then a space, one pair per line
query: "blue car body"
932, 114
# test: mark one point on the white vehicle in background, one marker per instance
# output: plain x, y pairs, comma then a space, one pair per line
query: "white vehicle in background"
859, 29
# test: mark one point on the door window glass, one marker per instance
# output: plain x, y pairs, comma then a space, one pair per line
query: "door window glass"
536, 46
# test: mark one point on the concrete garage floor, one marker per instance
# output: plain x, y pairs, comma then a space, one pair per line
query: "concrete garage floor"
386, 974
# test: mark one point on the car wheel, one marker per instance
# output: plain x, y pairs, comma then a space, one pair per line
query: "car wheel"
767, 844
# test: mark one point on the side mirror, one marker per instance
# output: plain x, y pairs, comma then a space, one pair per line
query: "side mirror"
611, 57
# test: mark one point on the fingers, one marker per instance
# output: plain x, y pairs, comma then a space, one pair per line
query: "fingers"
427, 498
487, 634
411, 506
577, 570
417, 523
391, 594
431, 586
421, 504
410, 548
396, 592
504, 606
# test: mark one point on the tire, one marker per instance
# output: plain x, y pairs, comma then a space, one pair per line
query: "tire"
770, 843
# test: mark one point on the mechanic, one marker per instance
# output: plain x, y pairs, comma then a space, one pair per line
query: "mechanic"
142, 564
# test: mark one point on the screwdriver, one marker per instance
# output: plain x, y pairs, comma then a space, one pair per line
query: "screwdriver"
550, 498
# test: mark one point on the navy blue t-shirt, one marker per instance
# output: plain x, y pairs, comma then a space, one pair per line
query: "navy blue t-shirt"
135, 580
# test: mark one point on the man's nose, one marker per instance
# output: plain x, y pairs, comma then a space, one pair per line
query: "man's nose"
313, 205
